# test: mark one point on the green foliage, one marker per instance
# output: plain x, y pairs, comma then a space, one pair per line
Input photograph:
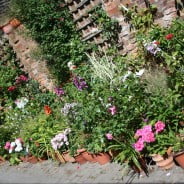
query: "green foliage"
140, 19
39, 131
109, 27
52, 27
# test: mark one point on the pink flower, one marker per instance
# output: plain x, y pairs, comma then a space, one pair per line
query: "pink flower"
20, 140
112, 109
109, 136
139, 145
139, 132
148, 137
159, 126
147, 128
7, 146
143, 131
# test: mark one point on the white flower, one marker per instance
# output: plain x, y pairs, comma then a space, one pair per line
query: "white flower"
17, 141
126, 76
12, 146
67, 131
18, 148
139, 73
69, 64
27, 149
21, 102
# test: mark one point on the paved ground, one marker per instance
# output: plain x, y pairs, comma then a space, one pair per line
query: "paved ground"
52, 172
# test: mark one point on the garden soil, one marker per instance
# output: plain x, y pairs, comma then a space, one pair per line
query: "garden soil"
52, 172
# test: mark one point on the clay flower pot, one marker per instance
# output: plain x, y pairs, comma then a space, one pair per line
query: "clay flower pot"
102, 158
179, 157
67, 157
80, 159
15, 22
89, 157
1, 159
8, 28
81, 150
32, 159
167, 163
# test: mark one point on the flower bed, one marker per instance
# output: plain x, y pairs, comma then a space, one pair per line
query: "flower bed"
104, 104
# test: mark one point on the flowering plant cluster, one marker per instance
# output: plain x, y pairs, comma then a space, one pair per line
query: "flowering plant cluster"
19, 80
147, 135
60, 139
67, 107
16, 145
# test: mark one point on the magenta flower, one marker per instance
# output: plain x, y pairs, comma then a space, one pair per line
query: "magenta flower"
59, 91
7, 146
21, 78
112, 109
159, 126
109, 136
139, 145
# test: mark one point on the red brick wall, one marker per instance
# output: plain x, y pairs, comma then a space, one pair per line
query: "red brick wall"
166, 12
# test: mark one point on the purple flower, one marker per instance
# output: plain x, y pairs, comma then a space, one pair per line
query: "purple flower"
80, 83
152, 48
59, 91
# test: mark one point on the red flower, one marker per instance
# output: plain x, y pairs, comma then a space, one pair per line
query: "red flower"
157, 42
11, 88
169, 36
47, 110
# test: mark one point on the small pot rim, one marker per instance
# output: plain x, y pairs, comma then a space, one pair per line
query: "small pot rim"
178, 153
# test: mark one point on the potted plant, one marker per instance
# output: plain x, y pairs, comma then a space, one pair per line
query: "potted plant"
179, 149
157, 140
126, 153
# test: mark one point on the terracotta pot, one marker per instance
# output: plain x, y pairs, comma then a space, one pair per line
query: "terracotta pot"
67, 157
179, 157
81, 150
80, 159
89, 157
102, 158
8, 29
15, 22
167, 163
32, 159
1, 159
